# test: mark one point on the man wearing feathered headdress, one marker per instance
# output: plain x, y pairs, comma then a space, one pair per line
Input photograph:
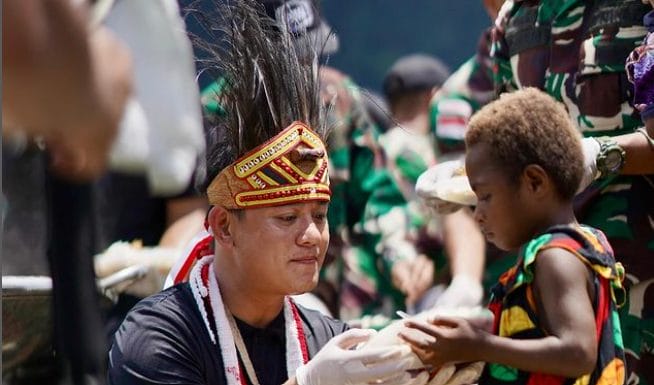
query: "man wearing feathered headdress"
231, 320
373, 264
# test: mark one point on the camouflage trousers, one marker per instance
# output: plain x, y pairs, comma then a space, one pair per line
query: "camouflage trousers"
623, 208
637, 321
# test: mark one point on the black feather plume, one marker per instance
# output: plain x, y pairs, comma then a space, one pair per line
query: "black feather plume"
269, 79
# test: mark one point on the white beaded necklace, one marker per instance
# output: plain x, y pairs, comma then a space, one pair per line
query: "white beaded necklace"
207, 294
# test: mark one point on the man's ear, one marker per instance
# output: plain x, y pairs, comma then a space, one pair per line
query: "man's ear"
536, 180
220, 220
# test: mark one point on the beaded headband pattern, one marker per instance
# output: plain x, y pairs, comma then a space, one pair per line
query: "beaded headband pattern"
291, 167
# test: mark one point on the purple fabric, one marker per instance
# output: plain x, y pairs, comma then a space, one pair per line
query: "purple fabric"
648, 21
640, 69
643, 75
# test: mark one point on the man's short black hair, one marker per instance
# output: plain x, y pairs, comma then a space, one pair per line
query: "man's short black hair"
417, 72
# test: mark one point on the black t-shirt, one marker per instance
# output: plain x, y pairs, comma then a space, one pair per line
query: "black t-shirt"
164, 340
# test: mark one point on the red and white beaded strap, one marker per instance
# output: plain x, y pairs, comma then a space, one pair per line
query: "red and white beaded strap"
205, 286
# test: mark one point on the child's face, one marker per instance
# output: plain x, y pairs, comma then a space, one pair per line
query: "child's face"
504, 207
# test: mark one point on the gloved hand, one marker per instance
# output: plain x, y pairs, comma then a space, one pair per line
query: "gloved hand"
337, 364
591, 149
463, 291
433, 188
120, 255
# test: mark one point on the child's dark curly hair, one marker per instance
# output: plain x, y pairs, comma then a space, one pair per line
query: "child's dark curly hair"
529, 127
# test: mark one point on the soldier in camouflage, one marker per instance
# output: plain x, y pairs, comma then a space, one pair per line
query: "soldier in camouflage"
575, 50
409, 85
368, 215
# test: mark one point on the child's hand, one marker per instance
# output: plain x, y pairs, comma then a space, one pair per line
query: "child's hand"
443, 340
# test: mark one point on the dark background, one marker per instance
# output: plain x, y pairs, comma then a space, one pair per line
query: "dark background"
374, 33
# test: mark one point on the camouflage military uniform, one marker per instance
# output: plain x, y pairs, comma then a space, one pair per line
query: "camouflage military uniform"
465, 91
367, 210
576, 50
369, 217
411, 229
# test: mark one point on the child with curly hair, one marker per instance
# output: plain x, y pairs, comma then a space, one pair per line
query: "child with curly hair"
555, 310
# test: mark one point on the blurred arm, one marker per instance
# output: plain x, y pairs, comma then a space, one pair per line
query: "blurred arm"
464, 244
63, 82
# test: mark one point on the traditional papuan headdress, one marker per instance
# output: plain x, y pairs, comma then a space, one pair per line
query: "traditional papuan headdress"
268, 147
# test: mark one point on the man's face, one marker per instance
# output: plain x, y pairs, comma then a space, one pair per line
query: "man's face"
280, 249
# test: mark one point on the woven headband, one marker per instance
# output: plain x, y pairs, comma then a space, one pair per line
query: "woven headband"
291, 167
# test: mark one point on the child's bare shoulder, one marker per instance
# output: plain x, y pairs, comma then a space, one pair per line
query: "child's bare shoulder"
559, 265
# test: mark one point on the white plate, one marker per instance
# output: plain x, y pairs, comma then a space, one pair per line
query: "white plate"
456, 189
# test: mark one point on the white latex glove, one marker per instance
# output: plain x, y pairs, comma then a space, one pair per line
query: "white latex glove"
434, 188
337, 364
591, 149
463, 291
120, 255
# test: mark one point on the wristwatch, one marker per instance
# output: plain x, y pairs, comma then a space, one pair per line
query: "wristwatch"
611, 157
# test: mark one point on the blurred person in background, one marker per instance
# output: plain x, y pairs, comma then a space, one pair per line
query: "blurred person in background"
146, 206
76, 77
65, 86
231, 319
576, 54
377, 108
410, 86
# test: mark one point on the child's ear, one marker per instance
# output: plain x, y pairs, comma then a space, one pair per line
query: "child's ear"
219, 219
536, 180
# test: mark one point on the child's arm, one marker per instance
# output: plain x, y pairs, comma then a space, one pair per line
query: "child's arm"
565, 309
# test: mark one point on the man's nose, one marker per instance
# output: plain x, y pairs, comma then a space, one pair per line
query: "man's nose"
478, 215
310, 234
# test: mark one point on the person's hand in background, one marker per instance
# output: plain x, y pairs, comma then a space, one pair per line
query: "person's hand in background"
413, 277
82, 151
63, 82
463, 291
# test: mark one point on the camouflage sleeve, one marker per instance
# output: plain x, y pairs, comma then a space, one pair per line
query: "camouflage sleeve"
209, 97
408, 154
604, 104
364, 196
353, 151
499, 52
575, 51
377, 211
384, 217
465, 91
